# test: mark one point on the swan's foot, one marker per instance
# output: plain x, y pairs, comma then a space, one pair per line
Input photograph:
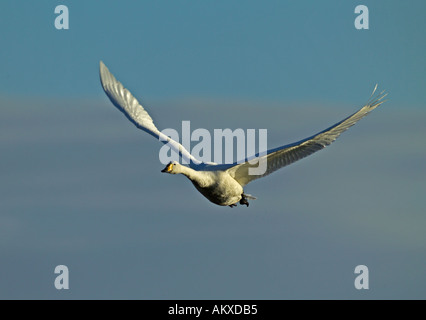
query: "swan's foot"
244, 201
233, 205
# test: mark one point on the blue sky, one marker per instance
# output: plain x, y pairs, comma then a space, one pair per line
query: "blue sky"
82, 187
256, 50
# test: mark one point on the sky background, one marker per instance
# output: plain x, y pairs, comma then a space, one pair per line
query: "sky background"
81, 186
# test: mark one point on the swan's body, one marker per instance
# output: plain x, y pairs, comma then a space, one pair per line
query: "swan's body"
218, 186
223, 184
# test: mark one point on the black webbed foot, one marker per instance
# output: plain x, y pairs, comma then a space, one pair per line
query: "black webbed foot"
244, 201
233, 205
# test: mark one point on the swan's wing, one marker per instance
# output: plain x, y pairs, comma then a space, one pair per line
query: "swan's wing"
133, 110
285, 155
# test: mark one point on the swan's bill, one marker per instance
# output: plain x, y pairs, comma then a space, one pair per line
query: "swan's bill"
168, 168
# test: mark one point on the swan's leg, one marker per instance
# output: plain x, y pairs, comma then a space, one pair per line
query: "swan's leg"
233, 205
244, 200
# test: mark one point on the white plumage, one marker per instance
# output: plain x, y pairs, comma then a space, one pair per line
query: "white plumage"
223, 184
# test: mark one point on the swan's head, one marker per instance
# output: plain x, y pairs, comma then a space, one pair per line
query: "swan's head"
173, 168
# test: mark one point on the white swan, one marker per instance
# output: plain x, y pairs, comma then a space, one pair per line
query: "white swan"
223, 184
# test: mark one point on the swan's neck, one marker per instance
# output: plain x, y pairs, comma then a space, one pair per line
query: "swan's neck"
200, 179
191, 174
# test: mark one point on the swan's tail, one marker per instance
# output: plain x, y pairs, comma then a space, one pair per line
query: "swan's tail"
249, 196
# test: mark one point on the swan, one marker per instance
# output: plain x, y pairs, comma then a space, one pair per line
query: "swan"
223, 184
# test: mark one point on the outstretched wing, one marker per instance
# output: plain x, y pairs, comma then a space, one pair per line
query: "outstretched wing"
133, 110
285, 155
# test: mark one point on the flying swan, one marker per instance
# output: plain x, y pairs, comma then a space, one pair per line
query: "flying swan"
223, 184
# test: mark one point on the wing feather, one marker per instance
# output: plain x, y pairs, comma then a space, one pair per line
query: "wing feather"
133, 110
285, 155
